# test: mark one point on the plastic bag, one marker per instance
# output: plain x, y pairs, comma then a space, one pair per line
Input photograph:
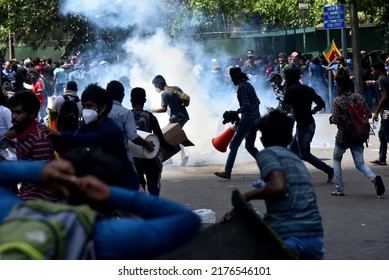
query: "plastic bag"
207, 215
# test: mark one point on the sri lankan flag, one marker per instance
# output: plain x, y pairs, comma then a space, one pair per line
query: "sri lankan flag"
331, 52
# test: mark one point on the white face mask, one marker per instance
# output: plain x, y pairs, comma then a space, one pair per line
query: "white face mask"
89, 115
157, 90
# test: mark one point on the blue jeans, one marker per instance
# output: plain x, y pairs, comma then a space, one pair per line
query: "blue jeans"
247, 130
357, 154
306, 248
301, 146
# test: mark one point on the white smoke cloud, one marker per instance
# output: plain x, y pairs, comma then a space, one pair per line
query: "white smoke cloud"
175, 60
116, 13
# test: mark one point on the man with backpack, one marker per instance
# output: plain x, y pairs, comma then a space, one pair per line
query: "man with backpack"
178, 112
149, 168
69, 108
124, 118
351, 133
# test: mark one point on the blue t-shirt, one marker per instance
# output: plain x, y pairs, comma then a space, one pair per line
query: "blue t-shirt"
60, 77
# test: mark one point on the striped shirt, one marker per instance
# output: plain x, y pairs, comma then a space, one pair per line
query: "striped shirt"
34, 145
296, 213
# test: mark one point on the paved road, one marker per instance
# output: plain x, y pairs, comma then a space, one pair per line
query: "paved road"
355, 226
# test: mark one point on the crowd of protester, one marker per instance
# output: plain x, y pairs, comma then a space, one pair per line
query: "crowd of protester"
33, 88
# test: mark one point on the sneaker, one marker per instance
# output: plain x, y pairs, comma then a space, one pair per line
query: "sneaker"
379, 185
224, 175
330, 177
338, 193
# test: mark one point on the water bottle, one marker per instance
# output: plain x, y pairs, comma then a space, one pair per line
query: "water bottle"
11, 154
6, 150
385, 114
373, 129
258, 184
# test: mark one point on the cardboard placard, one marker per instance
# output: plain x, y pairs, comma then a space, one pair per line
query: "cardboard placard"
174, 135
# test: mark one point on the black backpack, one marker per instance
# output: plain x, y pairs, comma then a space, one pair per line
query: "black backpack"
142, 119
68, 115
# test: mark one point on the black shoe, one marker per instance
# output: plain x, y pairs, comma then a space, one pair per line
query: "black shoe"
330, 177
224, 175
379, 185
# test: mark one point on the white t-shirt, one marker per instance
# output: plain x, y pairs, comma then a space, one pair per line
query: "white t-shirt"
5, 119
59, 100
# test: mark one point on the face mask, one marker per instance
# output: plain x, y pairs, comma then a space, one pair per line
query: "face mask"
157, 90
89, 115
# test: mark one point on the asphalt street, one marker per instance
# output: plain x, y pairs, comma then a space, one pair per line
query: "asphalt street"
356, 226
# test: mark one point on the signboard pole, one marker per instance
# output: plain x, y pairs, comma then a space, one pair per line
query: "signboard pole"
344, 42
357, 60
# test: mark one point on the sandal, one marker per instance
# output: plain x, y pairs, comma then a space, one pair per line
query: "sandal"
378, 162
337, 193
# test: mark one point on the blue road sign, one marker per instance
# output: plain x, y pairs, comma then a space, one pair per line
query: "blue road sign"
335, 24
331, 9
328, 17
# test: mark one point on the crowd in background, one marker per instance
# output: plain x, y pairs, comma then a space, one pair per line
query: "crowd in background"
46, 80
314, 71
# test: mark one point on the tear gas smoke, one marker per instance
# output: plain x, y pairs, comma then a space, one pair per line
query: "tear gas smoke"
182, 63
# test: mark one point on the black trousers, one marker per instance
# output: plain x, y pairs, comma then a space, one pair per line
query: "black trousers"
149, 172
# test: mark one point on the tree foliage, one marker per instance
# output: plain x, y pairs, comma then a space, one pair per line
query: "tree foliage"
39, 23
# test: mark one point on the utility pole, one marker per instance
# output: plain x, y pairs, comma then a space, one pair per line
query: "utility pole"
10, 45
357, 61
303, 7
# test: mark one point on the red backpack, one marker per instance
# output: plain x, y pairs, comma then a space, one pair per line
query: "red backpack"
357, 126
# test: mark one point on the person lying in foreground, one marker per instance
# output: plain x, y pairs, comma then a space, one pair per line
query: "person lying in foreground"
160, 225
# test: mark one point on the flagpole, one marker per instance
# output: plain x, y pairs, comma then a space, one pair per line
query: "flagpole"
329, 73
